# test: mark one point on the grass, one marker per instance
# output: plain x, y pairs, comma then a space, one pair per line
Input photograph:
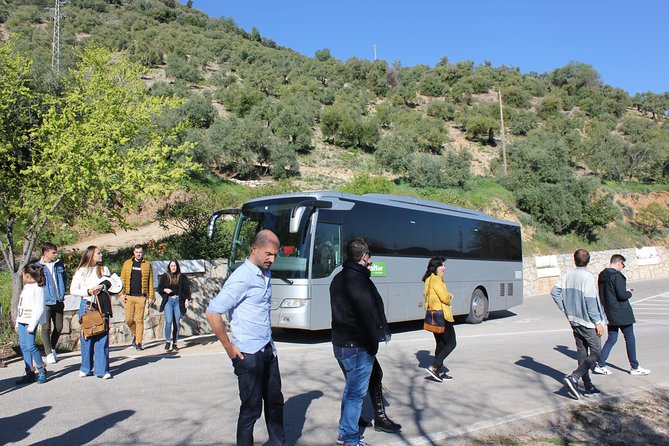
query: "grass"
632, 187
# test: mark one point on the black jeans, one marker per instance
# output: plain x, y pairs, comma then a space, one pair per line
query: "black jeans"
446, 343
53, 315
259, 382
588, 349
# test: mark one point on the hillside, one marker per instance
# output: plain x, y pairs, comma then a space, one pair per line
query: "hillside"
586, 163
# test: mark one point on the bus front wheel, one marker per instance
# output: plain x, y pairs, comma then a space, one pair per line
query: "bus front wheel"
478, 309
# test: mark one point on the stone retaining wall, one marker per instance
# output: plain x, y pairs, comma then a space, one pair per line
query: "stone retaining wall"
540, 274
204, 285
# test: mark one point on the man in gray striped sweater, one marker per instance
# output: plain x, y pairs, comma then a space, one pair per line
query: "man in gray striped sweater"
576, 296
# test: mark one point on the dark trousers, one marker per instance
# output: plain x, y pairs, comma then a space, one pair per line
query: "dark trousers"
630, 344
259, 382
446, 343
376, 376
588, 349
54, 317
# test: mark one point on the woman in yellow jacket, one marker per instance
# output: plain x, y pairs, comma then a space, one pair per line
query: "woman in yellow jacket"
437, 297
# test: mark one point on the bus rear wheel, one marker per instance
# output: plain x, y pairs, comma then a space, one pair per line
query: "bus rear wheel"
478, 309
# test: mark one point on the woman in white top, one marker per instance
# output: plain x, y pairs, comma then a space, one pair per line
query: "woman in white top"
30, 314
85, 284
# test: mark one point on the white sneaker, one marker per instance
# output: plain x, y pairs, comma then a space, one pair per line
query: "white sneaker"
602, 370
50, 359
55, 355
107, 376
82, 374
639, 371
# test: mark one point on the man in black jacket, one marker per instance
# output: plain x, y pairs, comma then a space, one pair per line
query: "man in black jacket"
615, 297
358, 324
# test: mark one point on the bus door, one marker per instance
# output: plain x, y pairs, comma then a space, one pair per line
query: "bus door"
326, 260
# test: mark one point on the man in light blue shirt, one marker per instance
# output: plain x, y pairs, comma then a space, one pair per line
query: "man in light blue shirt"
246, 298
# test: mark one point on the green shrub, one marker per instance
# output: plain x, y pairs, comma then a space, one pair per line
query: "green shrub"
652, 220
427, 171
394, 152
367, 184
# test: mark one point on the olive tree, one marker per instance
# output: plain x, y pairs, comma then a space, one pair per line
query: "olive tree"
97, 149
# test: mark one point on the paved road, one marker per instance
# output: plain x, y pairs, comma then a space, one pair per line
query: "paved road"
506, 369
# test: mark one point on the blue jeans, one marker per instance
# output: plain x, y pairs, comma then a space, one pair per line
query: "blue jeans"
259, 382
357, 366
630, 344
172, 318
28, 348
95, 348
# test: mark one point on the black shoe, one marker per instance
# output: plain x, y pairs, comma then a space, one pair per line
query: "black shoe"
445, 376
174, 347
134, 341
139, 347
167, 347
572, 386
591, 391
28, 378
385, 424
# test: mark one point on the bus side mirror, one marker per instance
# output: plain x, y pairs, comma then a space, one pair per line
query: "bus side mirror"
297, 213
295, 219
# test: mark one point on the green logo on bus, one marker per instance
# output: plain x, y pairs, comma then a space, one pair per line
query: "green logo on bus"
378, 269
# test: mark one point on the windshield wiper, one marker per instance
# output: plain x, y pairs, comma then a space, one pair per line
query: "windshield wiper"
285, 279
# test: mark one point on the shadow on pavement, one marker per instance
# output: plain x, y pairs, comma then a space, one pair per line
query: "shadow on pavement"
15, 428
137, 361
295, 414
529, 363
87, 432
566, 351
424, 358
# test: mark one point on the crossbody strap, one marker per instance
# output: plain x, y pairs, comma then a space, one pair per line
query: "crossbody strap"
97, 304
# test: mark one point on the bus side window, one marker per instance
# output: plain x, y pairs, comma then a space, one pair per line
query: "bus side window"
327, 250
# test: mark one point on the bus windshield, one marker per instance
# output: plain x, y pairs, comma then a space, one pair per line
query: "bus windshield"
292, 259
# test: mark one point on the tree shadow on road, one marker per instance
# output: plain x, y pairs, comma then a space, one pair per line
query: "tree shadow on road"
295, 414
15, 428
87, 432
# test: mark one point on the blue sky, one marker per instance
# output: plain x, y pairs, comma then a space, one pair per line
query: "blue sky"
625, 41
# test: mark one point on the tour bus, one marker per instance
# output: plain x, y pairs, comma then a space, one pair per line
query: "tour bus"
484, 269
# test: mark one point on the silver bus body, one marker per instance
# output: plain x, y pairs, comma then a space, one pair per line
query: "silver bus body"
483, 254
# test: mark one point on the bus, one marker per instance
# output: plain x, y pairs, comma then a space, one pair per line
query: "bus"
484, 254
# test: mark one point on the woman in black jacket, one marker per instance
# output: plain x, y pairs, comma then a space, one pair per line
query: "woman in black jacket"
175, 290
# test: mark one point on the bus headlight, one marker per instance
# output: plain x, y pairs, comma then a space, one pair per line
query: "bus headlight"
293, 303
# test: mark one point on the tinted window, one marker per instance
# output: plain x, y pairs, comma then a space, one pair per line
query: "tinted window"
414, 233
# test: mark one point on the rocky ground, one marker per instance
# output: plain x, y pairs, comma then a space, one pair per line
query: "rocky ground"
641, 419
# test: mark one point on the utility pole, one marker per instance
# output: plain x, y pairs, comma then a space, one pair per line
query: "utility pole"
375, 52
501, 126
55, 44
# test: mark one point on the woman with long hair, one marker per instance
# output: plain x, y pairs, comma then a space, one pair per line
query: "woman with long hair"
437, 297
86, 285
175, 290
30, 314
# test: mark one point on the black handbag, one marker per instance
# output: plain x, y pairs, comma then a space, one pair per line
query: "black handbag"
434, 321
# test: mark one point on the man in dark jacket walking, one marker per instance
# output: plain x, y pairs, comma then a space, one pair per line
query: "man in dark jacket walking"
358, 324
615, 296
